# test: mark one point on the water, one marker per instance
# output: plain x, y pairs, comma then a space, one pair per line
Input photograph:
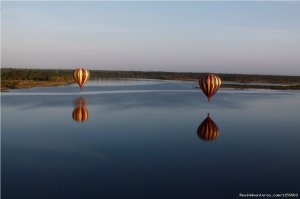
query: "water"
142, 139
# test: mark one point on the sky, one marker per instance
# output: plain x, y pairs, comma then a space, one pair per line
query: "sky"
224, 37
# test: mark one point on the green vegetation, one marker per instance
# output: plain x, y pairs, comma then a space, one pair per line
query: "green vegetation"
36, 74
273, 87
24, 78
195, 76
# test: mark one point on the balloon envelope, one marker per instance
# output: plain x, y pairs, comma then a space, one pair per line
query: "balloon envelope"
81, 76
208, 130
210, 84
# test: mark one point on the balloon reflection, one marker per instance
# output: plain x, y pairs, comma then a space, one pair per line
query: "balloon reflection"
80, 113
208, 130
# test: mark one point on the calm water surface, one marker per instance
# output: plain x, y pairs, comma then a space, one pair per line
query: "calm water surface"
142, 139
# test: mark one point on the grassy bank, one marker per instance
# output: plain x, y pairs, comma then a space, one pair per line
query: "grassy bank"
272, 87
26, 78
14, 84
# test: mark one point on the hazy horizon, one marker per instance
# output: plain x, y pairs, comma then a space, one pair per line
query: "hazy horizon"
219, 37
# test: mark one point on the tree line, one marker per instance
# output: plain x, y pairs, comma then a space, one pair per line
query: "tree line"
61, 75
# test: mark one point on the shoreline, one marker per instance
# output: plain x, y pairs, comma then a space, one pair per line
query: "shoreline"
21, 84
13, 78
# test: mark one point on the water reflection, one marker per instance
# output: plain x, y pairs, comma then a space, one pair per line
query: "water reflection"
80, 113
208, 130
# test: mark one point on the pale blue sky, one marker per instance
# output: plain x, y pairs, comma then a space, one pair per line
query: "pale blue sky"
230, 37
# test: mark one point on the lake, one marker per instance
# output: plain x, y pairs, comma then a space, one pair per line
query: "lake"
147, 139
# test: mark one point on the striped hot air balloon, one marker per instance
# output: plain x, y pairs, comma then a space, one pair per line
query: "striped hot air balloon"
80, 113
210, 84
81, 76
208, 130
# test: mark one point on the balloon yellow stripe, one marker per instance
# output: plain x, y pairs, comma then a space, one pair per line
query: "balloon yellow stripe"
80, 76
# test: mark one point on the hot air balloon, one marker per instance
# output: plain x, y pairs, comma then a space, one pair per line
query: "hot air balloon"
81, 76
80, 113
209, 84
208, 130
